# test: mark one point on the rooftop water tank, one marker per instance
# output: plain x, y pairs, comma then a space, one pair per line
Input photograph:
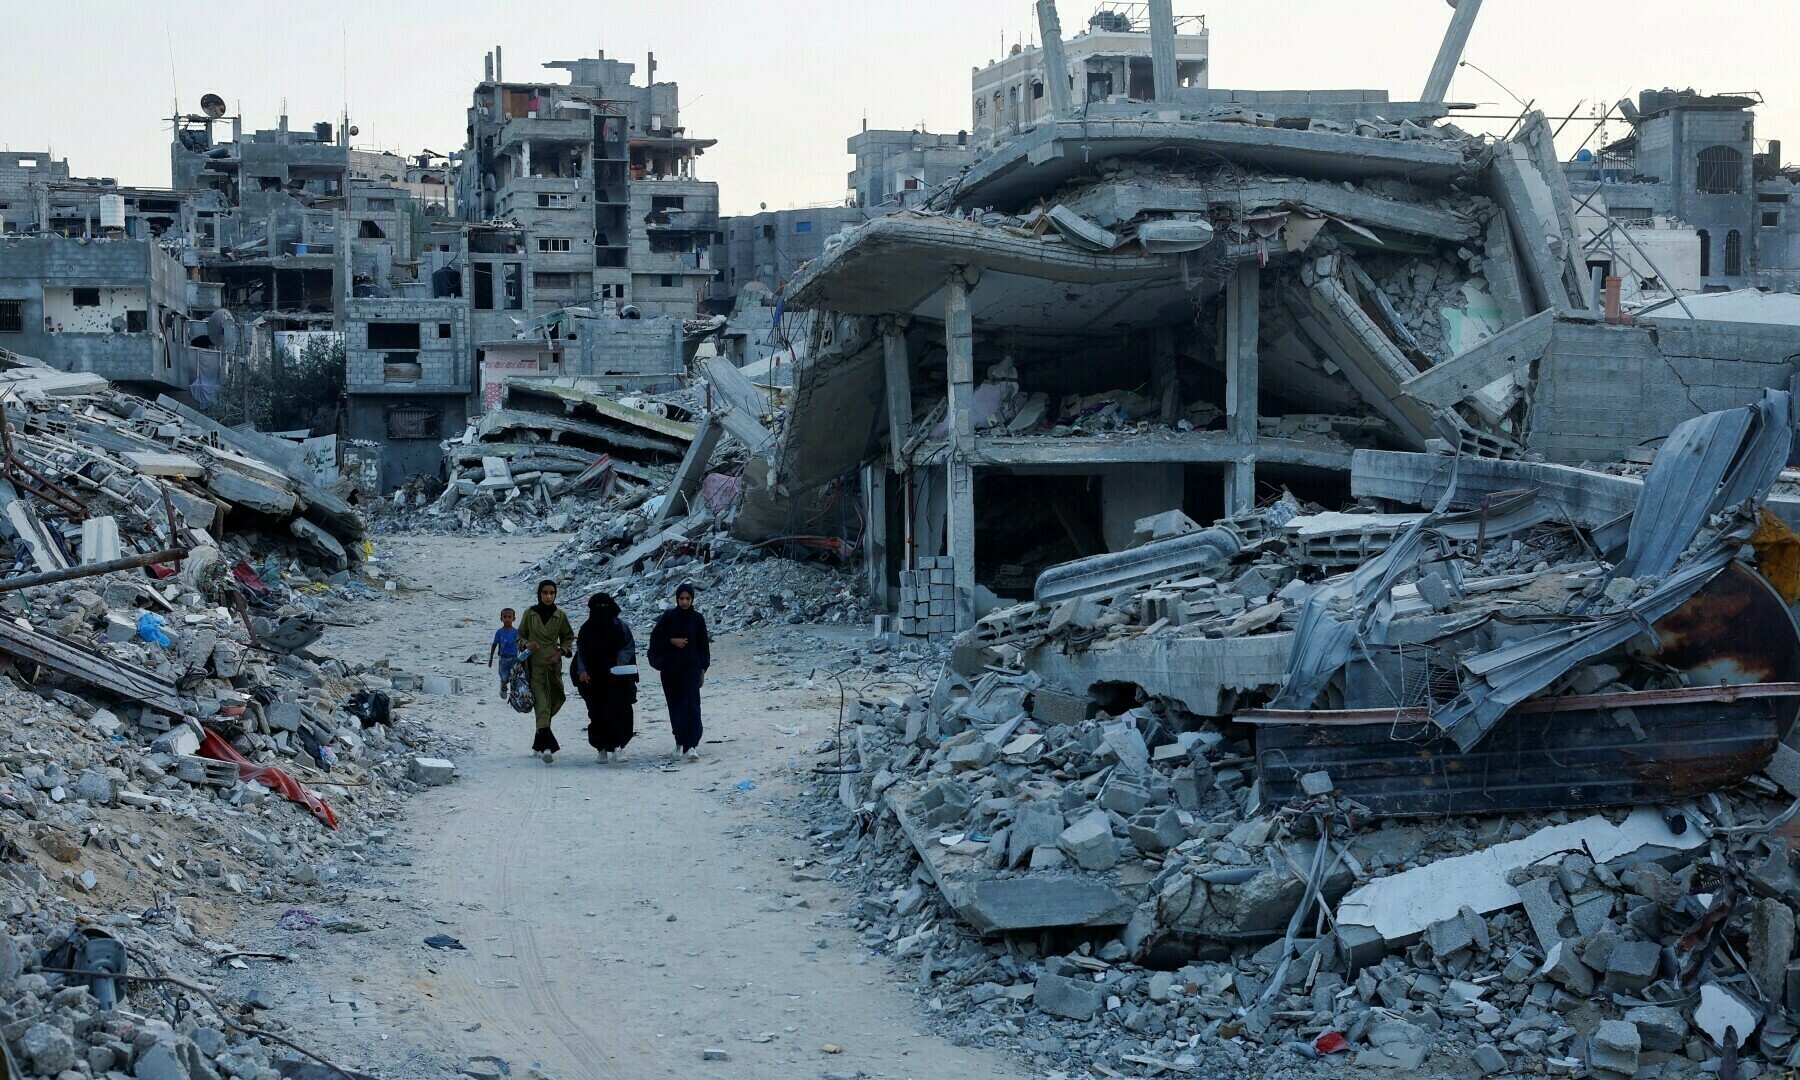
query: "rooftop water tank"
112, 212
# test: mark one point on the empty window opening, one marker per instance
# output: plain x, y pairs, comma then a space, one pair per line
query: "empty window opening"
552, 200
1771, 219
383, 335
513, 286
443, 329
1705, 253
84, 297
370, 230
670, 281
484, 287
1721, 171
137, 322
1734, 254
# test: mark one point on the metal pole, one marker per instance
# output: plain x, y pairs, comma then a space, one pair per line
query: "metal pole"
91, 569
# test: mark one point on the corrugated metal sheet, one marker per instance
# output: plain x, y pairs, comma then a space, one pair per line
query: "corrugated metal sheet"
1707, 464
1615, 750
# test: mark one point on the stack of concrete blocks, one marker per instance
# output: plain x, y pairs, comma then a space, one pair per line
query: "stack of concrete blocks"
928, 599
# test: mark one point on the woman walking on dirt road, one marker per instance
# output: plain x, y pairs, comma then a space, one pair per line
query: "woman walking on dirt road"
609, 678
546, 632
681, 651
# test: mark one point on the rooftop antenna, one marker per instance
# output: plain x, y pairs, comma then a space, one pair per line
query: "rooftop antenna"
174, 88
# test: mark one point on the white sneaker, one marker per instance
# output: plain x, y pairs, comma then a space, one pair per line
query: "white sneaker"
618, 757
693, 754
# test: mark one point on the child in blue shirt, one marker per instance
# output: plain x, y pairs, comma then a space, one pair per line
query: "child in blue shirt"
506, 645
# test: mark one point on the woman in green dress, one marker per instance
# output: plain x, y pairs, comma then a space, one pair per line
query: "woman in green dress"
546, 633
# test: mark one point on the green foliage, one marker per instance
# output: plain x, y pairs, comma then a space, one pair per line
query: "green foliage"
287, 392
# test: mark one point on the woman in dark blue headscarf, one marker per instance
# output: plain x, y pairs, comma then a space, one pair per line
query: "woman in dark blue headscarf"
681, 651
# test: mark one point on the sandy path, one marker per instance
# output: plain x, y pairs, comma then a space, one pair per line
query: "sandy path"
620, 920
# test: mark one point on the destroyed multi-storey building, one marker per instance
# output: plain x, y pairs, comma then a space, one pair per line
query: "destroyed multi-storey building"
1686, 202
1197, 301
601, 173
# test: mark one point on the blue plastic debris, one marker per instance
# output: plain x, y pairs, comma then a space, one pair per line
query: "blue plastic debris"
150, 628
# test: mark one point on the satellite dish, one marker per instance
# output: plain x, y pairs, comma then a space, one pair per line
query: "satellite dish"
354, 130
213, 105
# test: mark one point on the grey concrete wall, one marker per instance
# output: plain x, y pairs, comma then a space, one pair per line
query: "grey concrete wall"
628, 347
29, 265
403, 458
446, 363
1604, 389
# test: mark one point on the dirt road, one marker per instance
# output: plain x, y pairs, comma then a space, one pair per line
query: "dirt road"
620, 921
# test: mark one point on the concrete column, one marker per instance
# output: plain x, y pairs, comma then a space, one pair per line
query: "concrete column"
1131, 492
1165, 373
1162, 48
875, 535
1056, 62
899, 387
959, 335
1241, 324
1450, 52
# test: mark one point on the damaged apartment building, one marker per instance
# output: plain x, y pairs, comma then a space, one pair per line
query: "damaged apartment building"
582, 244
1187, 298
1685, 202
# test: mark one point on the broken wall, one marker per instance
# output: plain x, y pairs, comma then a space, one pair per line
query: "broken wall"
1602, 390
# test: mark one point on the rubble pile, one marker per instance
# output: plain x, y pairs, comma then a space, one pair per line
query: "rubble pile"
92, 473
1100, 874
249, 770
172, 749
741, 586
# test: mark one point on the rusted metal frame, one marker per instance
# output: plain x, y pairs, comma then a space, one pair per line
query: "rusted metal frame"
1675, 696
129, 562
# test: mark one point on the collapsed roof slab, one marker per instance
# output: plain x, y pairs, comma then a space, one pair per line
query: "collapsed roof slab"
902, 264
1509, 352
1037, 163
1204, 675
1333, 321
1111, 202
1073, 453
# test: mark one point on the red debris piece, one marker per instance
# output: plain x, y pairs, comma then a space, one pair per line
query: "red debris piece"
215, 747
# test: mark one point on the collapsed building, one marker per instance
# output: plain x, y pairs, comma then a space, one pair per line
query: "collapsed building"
1486, 545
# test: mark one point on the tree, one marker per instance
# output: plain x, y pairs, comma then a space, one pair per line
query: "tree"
287, 392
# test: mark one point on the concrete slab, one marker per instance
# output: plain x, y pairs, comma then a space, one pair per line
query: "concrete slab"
1402, 906
991, 903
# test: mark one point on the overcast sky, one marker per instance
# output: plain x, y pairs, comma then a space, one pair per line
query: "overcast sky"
783, 83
